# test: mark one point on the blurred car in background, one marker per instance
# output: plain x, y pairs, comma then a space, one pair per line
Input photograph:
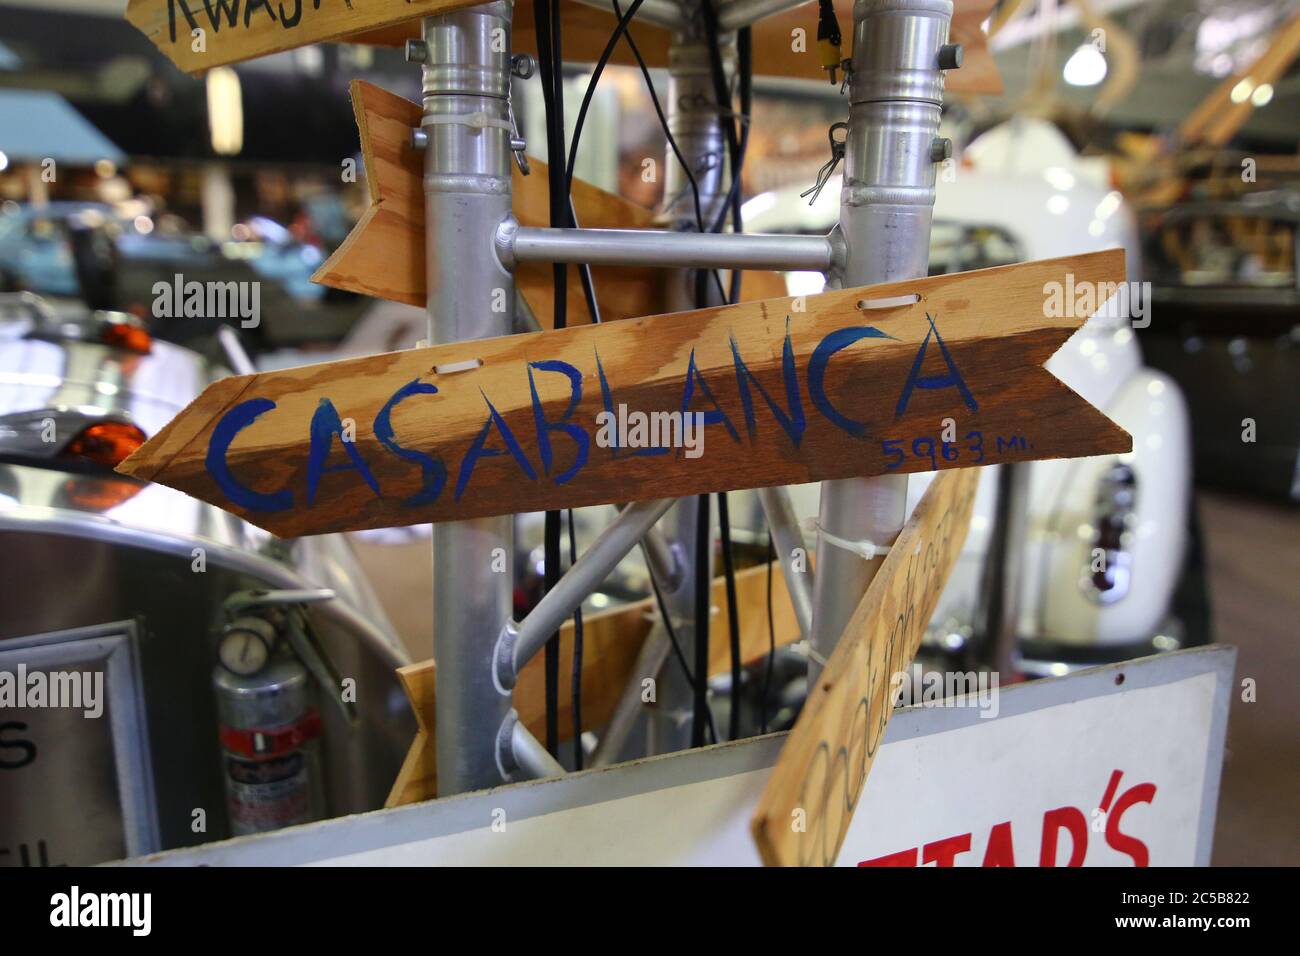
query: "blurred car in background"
1226, 288
113, 258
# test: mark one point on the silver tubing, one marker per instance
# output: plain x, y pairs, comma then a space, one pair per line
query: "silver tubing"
734, 14
787, 539
997, 614
662, 13
520, 754
677, 250
470, 295
649, 662
663, 558
518, 642
886, 205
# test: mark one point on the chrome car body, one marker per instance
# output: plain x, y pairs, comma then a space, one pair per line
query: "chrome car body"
130, 578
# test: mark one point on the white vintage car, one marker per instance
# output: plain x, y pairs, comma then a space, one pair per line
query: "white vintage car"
1135, 508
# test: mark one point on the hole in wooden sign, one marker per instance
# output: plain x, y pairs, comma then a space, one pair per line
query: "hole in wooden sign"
890, 302
452, 367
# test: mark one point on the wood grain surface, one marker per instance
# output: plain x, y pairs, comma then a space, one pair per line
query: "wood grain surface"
789, 391
810, 796
239, 30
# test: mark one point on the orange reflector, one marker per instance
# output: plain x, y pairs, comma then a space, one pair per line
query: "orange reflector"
107, 443
124, 335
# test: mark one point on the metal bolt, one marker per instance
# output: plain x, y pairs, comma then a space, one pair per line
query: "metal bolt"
517, 145
419, 139
950, 56
523, 65
940, 149
417, 51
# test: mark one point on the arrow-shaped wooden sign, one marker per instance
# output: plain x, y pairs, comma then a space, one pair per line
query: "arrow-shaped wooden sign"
809, 798
929, 374
383, 256
198, 35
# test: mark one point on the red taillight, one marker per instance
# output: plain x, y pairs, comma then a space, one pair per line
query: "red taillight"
124, 335
107, 443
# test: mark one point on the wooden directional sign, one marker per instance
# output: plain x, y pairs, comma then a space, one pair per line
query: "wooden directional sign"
383, 256
809, 799
929, 374
200, 34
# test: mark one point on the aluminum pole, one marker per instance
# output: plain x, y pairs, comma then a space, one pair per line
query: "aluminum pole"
681, 250
518, 642
466, 71
734, 14
886, 205
787, 539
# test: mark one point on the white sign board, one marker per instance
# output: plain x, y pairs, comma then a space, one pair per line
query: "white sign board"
1113, 766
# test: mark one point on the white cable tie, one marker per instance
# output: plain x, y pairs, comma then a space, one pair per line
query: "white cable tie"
805, 647
864, 548
477, 120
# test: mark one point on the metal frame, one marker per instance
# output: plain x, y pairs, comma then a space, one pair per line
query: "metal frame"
115, 646
472, 245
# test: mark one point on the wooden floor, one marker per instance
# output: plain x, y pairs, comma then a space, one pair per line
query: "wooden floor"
1253, 560
1253, 557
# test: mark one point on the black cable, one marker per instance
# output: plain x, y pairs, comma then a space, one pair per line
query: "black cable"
663, 122
677, 647
733, 615
736, 148
601, 63
543, 19
621, 31
771, 637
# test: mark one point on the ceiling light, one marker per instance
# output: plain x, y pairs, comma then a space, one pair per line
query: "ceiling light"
1086, 66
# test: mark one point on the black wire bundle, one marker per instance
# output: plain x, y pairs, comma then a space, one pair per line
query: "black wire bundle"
546, 18
560, 182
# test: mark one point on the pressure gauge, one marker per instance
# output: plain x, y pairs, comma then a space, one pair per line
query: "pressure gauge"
245, 645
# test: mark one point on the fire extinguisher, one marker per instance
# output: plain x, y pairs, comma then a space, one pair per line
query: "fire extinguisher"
268, 724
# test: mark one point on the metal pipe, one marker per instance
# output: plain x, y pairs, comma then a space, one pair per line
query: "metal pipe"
651, 659
886, 205
792, 552
662, 13
663, 559
675, 250
519, 752
518, 642
734, 14
466, 71
998, 612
